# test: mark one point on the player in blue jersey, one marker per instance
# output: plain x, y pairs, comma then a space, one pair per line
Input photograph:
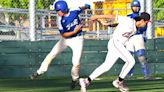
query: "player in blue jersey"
71, 32
136, 43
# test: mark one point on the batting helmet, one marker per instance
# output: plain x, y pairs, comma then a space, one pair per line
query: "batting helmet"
135, 3
62, 6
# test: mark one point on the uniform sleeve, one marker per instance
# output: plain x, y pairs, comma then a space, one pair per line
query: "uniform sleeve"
123, 19
58, 22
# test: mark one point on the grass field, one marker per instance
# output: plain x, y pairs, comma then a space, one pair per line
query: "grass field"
62, 85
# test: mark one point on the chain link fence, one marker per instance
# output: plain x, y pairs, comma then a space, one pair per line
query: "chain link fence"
15, 25
159, 22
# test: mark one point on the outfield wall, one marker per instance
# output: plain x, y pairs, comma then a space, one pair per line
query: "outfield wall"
22, 58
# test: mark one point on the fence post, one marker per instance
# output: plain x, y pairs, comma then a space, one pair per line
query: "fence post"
32, 20
149, 9
98, 30
143, 5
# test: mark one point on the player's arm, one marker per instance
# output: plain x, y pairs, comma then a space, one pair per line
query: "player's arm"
96, 17
76, 30
108, 23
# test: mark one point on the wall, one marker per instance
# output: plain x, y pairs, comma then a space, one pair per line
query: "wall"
22, 58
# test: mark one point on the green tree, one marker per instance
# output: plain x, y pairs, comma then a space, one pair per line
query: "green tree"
43, 4
24, 4
158, 14
14, 4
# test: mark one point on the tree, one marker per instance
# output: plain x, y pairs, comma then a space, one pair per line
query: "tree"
24, 4
14, 4
158, 14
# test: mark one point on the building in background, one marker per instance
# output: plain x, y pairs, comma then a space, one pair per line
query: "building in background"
116, 7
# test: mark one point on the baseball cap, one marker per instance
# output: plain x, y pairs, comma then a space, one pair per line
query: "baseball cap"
145, 16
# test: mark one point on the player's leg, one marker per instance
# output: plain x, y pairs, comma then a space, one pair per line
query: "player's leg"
143, 62
129, 63
131, 49
140, 52
104, 67
129, 60
109, 62
76, 44
130, 74
60, 46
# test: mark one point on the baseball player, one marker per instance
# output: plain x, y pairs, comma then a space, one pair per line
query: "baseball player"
71, 32
125, 29
136, 43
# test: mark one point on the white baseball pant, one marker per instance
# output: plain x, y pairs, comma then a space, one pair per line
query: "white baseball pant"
115, 50
136, 43
76, 44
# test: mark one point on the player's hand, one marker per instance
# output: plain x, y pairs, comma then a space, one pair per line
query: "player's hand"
78, 28
87, 6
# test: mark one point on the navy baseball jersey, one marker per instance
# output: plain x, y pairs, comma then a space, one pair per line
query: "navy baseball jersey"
69, 22
140, 30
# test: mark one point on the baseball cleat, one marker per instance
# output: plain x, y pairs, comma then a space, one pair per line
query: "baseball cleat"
73, 84
120, 85
34, 76
83, 83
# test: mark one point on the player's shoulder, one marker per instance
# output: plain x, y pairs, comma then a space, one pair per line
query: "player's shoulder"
75, 9
124, 19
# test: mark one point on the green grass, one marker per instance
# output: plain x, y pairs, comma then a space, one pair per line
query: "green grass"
62, 85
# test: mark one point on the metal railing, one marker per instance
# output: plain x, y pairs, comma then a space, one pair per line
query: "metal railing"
46, 28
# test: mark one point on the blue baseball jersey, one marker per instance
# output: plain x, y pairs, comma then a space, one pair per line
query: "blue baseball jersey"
69, 22
140, 30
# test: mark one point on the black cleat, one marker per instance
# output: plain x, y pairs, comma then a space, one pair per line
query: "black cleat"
34, 76
73, 84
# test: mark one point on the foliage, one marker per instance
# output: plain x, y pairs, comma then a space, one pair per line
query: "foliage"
14, 4
158, 14
24, 4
